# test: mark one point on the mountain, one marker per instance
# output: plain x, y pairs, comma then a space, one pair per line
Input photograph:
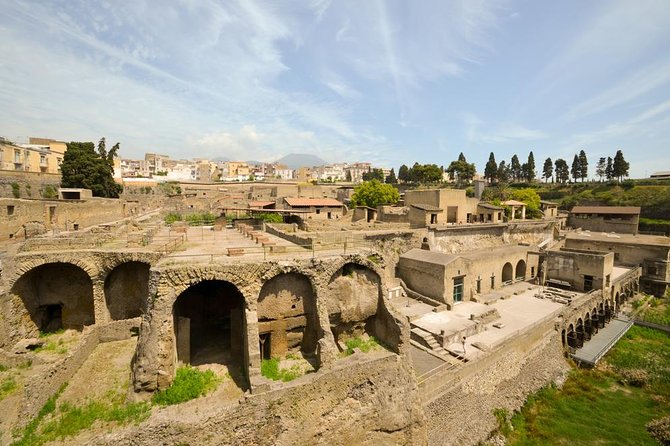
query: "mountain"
296, 160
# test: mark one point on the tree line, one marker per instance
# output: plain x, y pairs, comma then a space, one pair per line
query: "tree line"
607, 168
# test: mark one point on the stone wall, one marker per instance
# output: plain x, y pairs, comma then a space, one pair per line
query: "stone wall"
369, 399
463, 414
30, 184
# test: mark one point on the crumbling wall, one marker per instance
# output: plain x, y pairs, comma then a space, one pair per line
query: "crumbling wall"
370, 399
465, 238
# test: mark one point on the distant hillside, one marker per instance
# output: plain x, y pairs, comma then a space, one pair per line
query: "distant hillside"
296, 160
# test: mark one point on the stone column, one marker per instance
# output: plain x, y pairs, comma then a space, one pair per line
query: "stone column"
100, 309
523, 212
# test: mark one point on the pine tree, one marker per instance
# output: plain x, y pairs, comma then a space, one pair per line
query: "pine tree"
515, 168
491, 168
562, 172
576, 169
620, 166
547, 170
583, 165
529, 168
503, 172
609, 170
601, 167
391, 179
403, 174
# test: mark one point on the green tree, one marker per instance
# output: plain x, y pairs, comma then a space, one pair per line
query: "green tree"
83, 167
548, 169
373, 193
528, 170
425, 173
391, 179
562, 171
583, 165
374, 174
531, 199
609, 169
504, 172
620, 166
601, 167
403, 174
461, 170
347, 176
576, 169
491, 168
515, 167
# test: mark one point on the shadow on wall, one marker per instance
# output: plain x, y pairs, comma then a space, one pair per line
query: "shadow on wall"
127, 290
356, 307
55, 295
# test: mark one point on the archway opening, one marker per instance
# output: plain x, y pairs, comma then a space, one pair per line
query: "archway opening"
210, 327
127, 289
355, 293
56, 296
520, 273
287, 317
507, 272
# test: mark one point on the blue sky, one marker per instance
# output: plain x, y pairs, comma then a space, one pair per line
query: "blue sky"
388, 82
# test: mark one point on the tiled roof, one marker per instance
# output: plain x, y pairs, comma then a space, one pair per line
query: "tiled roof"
312, 202
493, 207
514, 203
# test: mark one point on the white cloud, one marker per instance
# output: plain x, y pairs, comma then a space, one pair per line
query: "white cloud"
505, 132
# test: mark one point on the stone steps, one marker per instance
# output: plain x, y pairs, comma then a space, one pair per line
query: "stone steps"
428, 340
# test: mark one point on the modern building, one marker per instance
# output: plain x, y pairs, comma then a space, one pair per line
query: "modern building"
41, 155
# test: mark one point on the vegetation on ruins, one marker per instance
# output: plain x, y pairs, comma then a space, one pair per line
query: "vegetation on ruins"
271, 369
189, 383
49, 192
609, 405
55, 422
373, 193
201, 218
653, 309
84, 167
363, 344
16, 190
7, 384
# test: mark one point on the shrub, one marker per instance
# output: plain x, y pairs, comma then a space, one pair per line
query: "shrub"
49, 192
16, 190
172, 217
660, 430
269, 217
189, 383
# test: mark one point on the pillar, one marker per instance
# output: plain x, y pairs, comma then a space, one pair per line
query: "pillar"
523, 212
99, 303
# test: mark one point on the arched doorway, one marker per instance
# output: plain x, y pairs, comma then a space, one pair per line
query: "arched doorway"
353, 298
57, 295
520, 273
507, 272
287, 317
210, 326
127, 289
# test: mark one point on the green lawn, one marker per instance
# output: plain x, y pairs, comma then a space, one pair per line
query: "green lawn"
607, 406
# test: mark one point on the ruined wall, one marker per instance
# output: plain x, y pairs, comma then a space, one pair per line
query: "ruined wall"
30, 184
358, 402
58, 215
465, 238
463, 415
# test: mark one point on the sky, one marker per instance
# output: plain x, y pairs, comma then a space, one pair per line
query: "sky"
389, 82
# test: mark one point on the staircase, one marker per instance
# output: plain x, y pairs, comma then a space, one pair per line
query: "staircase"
428, 340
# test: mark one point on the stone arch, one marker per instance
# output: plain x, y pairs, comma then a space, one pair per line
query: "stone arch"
127, 290
520, 271
210, 327
507, 272
287, 316
25, 265
57, 295
354, 295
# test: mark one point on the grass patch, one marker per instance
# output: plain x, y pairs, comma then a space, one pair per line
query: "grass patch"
364, 345
67, 420
8, 384
189, 383
53, 346
602, 406
271, 370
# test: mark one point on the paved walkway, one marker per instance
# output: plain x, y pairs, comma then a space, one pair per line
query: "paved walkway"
600, 343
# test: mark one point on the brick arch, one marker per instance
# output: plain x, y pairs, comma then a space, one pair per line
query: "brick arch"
175, 280
88, 266
335, 267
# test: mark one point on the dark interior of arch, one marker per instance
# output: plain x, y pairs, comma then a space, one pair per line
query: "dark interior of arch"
57, 295
127, 290
210, 327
